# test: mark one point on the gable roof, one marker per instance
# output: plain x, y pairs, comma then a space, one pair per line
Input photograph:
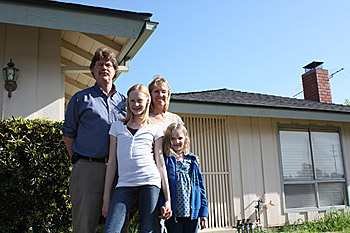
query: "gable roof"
238, 98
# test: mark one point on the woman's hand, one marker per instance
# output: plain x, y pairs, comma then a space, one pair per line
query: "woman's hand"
197, 158
203, 222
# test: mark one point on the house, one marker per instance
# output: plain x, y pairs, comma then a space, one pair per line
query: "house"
291, 155
52, 44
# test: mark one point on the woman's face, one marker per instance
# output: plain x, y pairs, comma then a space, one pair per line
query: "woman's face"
160, 95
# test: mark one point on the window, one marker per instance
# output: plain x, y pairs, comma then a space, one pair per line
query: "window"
312, 168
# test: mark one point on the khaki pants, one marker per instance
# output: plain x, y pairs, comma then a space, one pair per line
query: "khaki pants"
86, 187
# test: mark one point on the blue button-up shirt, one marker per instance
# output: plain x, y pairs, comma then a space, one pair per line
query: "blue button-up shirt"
88, 118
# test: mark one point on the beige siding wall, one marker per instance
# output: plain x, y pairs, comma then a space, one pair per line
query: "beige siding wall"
36, 52
241, 163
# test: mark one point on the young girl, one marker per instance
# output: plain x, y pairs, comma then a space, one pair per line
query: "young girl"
187, 190
136, 151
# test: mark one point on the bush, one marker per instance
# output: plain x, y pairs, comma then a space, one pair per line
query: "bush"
35, 169
332, 221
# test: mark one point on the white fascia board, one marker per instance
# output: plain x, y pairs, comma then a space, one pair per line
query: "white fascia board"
148, 29
192, 108
70, 20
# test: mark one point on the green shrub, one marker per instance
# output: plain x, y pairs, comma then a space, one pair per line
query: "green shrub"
34, 174
134, 219
332, 221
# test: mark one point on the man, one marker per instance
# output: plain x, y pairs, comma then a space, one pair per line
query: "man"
89, 115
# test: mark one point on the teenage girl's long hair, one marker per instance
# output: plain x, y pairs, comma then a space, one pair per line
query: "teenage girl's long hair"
167, 139
129, 115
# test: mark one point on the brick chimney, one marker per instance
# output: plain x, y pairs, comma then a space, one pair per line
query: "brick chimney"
316, 83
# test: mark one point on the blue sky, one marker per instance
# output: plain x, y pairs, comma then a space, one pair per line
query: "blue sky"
245, 45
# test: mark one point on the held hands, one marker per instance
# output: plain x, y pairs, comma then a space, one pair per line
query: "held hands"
203, 222
165, 211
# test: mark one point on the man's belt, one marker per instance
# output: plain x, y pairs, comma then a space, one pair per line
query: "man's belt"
77, 156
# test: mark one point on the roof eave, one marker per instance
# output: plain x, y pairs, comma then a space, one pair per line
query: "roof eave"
196, 107
73, 17
134, 46
83, 8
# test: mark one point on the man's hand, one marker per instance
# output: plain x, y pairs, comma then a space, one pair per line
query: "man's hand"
69, 145
105, 207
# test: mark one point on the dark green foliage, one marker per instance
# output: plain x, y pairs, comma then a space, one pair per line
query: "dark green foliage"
34, 173
134, 220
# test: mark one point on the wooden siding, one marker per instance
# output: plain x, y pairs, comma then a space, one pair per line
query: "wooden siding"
241, 163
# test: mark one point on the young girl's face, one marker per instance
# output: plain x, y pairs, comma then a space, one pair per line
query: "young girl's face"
137, 102
177, 141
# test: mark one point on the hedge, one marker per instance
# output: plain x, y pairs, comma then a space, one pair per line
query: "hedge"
34, 174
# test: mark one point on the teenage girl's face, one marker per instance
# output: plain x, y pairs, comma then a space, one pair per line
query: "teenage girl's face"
137, 102
177, 141
160, 95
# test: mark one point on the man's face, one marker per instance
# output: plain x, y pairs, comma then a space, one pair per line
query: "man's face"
103, 71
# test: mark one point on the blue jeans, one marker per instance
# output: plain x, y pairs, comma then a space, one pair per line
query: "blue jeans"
123, 199
181, 225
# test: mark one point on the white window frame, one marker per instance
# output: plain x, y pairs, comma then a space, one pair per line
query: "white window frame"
314, 181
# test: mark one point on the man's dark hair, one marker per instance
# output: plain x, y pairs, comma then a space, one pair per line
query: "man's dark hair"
105, 54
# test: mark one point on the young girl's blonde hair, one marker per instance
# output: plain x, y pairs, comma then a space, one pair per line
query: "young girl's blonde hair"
167, 139
158, 81
129, 115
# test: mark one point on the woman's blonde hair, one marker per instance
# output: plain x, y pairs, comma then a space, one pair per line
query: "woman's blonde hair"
129, 115
167, 139
158, 81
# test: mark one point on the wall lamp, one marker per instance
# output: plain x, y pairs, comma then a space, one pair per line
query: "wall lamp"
10, 74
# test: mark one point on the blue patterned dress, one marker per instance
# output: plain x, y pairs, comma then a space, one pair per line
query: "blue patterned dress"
183, 186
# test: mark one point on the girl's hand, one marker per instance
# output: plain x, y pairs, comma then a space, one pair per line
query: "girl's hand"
203, 222
105, 207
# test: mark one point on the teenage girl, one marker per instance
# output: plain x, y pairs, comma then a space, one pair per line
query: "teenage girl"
188, 201
136, 151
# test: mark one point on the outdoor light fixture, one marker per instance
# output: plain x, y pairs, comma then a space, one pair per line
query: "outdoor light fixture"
10, 74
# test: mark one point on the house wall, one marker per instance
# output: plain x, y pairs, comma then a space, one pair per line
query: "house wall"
254, 165
36, 52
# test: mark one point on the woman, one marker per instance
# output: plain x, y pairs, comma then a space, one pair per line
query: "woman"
160, 97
